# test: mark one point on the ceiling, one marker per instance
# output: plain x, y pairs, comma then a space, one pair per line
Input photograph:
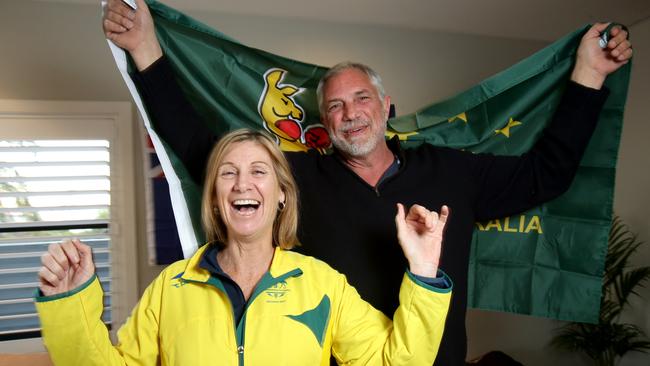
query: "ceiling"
544, 20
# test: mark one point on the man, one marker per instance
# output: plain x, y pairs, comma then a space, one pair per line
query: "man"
348, 198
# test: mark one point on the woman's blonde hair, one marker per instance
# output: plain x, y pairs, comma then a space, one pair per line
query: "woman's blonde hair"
285, 224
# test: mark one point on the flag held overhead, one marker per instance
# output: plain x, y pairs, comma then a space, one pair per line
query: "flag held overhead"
545, 262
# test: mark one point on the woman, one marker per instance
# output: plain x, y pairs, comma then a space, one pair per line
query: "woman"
245, 298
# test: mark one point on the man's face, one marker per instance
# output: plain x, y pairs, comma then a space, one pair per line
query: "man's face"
355, 114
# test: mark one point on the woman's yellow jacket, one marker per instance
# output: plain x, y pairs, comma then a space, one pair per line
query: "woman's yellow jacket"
300, 312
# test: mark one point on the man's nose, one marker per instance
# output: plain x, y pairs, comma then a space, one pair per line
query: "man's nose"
350, 112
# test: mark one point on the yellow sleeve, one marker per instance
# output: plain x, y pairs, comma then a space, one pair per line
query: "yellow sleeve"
363, 335
74, 333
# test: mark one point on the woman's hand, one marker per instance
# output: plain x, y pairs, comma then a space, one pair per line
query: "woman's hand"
420, 234
66, 266
132, 30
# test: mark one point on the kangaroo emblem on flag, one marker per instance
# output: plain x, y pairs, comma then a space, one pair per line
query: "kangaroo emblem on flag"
283, 117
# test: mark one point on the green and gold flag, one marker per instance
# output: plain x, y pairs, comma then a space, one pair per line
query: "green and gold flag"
546, 262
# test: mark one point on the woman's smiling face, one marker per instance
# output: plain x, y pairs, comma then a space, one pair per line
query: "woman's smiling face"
247, 192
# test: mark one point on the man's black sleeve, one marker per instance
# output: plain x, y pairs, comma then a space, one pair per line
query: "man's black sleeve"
505, 185
174, 118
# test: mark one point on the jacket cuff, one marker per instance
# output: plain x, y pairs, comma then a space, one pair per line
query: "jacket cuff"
444, 286
39, 297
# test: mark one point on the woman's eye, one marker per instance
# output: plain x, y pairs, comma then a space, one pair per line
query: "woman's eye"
227, 173
259, 172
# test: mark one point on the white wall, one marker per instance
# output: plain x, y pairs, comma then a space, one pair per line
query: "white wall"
632, 200
57, 51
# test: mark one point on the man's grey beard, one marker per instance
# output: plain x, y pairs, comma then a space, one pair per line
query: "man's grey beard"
357, 150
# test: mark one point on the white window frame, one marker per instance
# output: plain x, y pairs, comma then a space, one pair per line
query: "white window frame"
113, 121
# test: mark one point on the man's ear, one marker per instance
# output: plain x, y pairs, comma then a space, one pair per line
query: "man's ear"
387, 106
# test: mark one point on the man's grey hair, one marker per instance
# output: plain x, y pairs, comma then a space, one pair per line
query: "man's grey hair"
374, 77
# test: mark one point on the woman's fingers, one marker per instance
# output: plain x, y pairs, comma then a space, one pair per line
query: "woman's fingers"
420, 216
86, 255
53, 266
442, 219
71, 252
65, 266
58, 256
47, 277
430, 220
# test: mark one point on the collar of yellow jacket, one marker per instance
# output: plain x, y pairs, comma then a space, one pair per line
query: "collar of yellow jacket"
284, 264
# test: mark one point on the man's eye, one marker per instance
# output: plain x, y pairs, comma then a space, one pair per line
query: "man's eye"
333, 107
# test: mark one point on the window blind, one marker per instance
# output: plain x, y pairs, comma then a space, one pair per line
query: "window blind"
50, 190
